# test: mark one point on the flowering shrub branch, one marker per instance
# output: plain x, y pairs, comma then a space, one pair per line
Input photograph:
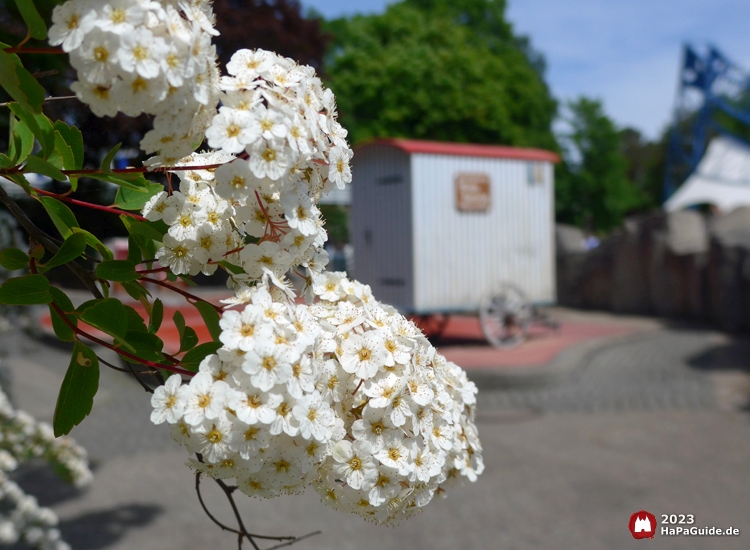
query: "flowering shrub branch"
341, 393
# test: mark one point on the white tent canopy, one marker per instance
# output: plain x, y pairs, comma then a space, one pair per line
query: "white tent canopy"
722, 178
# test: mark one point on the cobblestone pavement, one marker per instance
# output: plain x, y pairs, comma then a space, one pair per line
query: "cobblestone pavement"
648, 372
656, 422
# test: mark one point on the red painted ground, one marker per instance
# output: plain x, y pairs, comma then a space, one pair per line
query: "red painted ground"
462, 342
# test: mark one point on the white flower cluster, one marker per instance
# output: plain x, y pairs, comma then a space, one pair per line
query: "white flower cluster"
260, 212
23, 438
345, 394
144, 56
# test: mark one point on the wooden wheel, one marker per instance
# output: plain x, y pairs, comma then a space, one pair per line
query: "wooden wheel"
505, 315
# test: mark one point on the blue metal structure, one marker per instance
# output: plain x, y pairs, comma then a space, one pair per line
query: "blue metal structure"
710, 86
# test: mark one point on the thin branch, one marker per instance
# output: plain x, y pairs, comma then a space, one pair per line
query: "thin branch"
190, 297
20, 49
93, 206
45, 240
117, 350
111, 366
210, 515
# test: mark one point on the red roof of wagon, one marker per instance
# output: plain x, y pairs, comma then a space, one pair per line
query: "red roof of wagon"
465, 149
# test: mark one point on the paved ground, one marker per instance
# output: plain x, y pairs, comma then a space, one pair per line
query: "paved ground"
653, 418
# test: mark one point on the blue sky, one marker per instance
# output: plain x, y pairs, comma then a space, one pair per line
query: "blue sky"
625, 53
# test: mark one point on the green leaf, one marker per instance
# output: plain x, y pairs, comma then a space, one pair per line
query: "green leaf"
95, 243
61, 328
147, 346
135, 321
26, 290
192, 359
67, 157
236, 270
107, 161
157, 315
61, 215
37, 28
37, 165
134, 251
135, 290
6, 161
108, 315
211, 317
22, 142
188, 337
39, 124
19, 83
74, 139
152, 230
78, 389
134, 199
13, 259
117, 270
73, 247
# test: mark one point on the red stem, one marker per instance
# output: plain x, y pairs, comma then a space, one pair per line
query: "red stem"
90, 205
157, 270
118, 351
21, 49
180, 291
79, 332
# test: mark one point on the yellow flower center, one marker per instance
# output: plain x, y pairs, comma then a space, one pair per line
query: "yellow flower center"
101, 54
233, 130
214, 436
140, 52
118, 16
284, 409
269, 155
204, 401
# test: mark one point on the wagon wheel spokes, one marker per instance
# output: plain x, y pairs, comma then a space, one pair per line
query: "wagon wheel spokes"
505, 315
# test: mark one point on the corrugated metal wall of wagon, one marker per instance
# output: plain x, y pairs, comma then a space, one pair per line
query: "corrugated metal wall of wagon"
380, 223
460, 256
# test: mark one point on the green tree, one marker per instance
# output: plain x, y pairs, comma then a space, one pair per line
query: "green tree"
592, 186
440, 70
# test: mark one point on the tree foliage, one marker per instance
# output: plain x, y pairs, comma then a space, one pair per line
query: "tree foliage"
592, 186
441, 70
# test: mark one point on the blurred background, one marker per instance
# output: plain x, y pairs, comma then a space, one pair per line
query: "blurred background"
602, 305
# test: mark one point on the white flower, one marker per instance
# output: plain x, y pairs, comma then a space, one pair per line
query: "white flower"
354, 463
338, 166
314, 417
396, 454
71, 21
231, 130
363, 355
168, 401
179, 256
205, 399
268, 364
141, 52
253, 406
269, 158
213, 439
